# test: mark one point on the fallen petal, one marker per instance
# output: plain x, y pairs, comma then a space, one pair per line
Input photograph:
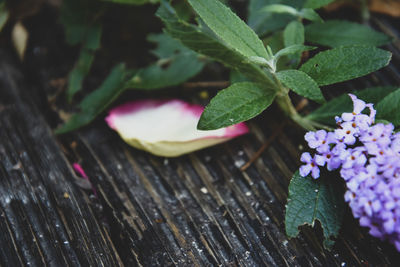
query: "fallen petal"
167, 127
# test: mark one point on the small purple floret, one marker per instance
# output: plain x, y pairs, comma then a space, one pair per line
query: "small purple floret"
368, 156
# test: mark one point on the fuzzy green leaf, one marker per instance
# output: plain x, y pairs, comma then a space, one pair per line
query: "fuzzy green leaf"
94, 103
327, 112
229, 27
175, 65
293, 34
301, 84
345, 63
239, 102
310, 200
336, 33
389, 108
200, 41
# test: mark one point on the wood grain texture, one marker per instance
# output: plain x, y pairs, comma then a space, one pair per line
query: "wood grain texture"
195, 210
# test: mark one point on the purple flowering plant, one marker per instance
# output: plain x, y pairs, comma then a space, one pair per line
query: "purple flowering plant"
366, 154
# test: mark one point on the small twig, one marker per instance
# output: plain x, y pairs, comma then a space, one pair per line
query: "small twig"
267, 143
206, 84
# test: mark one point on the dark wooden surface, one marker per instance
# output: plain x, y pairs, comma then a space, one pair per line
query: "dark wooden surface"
142, 210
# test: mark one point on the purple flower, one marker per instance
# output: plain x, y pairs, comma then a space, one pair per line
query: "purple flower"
369, 160
310, 166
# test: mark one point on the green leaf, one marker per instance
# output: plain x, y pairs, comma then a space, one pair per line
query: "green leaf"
310, 14
175, 65
314, 4
85, 60
3, 15
229, 27
293, 34
310, 200
79, 19
345, 63
293, 49
203, 43
335, 107
132, 2
266, 22
239, 102
389, 108
301, 84
78, 73
334, 33
93, 104
280, 9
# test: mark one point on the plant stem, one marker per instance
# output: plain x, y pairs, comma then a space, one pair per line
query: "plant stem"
285, 103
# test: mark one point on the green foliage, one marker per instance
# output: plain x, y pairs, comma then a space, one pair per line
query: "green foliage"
301, 84
336, 33
314, 4
345, 63
175, 64
305, 13
96, 102
266, 22
3, 14
229, 27
388, 108
293, 34
81, 27
327, 112
199, 40
237, 103
310, 200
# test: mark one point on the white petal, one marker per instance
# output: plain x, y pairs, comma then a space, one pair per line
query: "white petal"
167, 128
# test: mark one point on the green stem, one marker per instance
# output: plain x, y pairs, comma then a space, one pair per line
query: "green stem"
285, 103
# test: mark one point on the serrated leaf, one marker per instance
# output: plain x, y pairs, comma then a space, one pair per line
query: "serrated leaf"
310, 200
94, 103
327, 112
203, 43
345, 63
334, 33
229, 27
315, 4
389, 108
301, 84
175, 65
265, 22
237, 103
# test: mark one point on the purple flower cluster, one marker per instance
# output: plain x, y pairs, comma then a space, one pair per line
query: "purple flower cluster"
368, 156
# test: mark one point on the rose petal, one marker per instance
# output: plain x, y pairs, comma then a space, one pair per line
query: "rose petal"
167, 127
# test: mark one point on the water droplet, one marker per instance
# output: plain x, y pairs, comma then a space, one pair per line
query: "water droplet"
204, 190
66, 242
240, 153
166, 162
343, 264
248, 193
239, 163
316, 190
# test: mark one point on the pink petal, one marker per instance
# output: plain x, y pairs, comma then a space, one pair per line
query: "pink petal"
167, 127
